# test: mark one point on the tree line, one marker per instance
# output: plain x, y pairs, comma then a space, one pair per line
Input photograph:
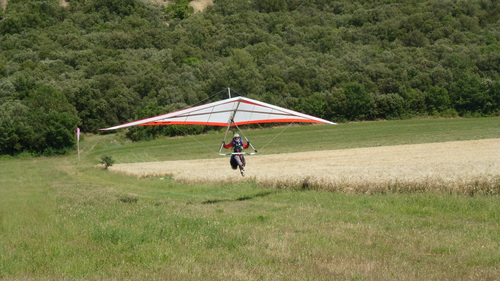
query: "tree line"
98, 63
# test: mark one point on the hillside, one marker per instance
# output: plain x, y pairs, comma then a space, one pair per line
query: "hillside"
94, 64
198, 5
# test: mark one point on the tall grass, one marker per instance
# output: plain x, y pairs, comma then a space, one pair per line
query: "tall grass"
64, 219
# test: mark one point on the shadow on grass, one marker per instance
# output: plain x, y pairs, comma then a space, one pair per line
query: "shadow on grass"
243, 198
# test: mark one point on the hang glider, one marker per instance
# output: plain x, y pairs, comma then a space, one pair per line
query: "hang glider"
230, 112
235, 111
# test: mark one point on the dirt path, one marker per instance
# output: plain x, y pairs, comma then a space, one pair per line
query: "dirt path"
200, 5
448, 165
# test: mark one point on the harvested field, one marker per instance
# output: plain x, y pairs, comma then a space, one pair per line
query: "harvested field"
461, 167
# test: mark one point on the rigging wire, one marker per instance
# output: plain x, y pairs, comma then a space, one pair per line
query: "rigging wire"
202, 101
188, 135
277, 135
208, 98
233, 91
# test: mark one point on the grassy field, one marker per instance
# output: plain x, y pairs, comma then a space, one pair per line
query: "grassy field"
66, 219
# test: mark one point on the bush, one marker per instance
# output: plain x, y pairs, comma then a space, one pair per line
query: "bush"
107, 161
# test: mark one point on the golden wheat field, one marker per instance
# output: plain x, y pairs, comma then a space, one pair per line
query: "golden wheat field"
456, 167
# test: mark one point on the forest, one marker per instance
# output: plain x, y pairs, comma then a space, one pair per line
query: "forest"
97, 63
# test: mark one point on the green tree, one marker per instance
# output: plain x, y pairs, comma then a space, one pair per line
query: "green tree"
387, 106
53, 119
468, 95
29, 14
242, 72
336, 105
493, 98
268, 6
15, 127
3, 67
314, 105
358, 102
180, 9
42, 124
415, 39
414, 102
437, 100
107, 8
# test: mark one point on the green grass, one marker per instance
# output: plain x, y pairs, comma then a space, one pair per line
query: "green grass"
66, 219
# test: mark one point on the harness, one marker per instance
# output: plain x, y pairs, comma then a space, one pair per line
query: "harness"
238, 146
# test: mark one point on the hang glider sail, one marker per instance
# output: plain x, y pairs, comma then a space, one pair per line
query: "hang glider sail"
229, 112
